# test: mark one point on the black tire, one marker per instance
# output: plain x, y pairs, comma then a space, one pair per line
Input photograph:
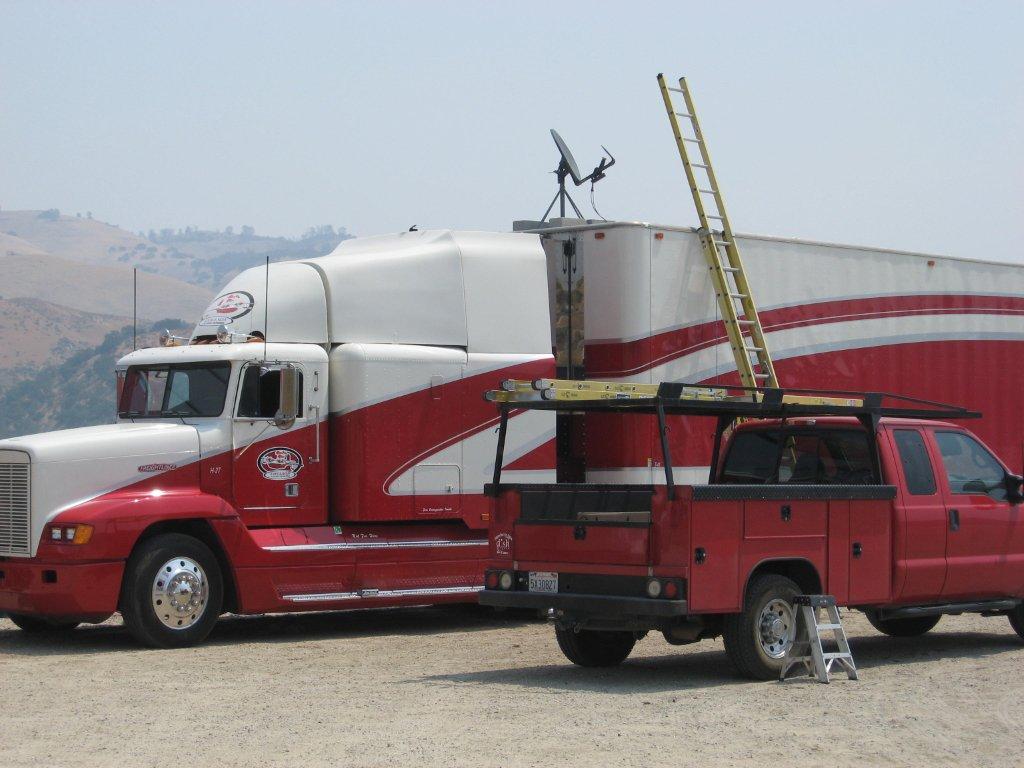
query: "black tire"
1016, 617
910, 627
198, 571
591, 648
41, 624
742, 633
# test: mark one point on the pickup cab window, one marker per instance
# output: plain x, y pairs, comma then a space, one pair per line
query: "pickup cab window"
917, 467
970, 468
827, 457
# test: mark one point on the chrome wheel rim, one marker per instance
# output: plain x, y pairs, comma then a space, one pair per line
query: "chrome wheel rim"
775, 628
180, 593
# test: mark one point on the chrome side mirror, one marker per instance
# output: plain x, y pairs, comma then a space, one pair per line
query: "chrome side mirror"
288, 410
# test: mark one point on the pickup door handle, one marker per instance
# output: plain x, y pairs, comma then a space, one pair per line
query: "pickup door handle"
858, 549
700, 555
954, 520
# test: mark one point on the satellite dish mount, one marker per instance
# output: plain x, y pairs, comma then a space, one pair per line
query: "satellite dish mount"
567, 168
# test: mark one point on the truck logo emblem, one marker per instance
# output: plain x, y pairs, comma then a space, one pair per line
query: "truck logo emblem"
503, 545
156, 467
227, 308
279, 463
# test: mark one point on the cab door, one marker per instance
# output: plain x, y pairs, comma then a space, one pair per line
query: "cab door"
920, 535
977, 517
279, 477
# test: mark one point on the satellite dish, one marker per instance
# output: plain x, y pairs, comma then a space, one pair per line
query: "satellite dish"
567, 158
567, 167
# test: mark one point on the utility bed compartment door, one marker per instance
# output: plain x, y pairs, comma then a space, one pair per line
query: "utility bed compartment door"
582, 542
870, 551
716, 532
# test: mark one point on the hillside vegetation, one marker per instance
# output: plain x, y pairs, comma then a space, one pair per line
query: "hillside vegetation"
66, 302
76, 392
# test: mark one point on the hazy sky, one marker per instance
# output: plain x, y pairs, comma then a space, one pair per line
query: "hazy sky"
897, 124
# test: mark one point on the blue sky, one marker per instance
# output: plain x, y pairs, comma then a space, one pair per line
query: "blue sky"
896, 124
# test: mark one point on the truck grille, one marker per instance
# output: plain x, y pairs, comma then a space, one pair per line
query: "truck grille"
15, 521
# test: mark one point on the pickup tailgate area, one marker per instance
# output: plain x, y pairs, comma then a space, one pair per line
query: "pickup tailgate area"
584, 524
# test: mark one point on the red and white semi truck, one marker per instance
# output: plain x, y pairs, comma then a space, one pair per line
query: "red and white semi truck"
343, 463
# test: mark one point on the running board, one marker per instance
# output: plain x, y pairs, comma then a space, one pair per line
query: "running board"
382, 594
984, 606
369, 544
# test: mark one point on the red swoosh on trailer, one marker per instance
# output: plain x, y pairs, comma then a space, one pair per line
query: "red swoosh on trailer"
616, 359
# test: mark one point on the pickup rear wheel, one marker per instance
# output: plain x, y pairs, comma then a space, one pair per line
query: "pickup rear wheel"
591, 648
173, 591
757, 639
911, 627
1016, 617
40, 624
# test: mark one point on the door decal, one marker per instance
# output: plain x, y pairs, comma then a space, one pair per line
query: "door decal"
279, 463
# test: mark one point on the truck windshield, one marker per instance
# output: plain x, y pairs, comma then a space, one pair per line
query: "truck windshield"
162, 391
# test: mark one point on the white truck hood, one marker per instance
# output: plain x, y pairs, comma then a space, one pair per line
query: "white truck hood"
71, 466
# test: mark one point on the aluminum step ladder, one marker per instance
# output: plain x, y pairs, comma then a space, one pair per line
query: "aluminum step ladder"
806, 653
739, 313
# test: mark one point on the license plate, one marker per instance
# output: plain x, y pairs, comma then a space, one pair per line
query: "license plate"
543, 581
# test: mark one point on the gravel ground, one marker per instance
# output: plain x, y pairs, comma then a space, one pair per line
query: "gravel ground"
465, 687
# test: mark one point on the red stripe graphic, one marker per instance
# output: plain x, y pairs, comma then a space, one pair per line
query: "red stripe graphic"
627, 358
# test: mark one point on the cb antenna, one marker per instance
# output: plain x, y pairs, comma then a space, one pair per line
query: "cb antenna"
567, 167
266, 308
135, 308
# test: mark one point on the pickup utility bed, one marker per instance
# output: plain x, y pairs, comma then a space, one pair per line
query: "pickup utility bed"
906, 519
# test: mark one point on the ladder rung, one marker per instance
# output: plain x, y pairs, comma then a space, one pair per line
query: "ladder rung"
708, 191
682, 114
699, 165
840, 655
761, 376
734, 270
745, 322
738, 295
712, 216
692, 141
720, 242
677, 90
830, 626
761, 349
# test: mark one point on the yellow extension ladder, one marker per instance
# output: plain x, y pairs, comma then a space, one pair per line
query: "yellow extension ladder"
746, 337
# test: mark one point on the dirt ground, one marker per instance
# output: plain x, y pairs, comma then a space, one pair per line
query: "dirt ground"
465, 687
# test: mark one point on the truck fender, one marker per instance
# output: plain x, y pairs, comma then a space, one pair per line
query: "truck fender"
800, 570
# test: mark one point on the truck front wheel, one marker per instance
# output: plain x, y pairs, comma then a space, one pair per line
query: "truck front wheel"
910, 627
39, 624
173, 591
591, 648
757, 639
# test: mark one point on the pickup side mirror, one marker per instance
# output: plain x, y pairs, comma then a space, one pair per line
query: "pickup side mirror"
288, 410
1014, 485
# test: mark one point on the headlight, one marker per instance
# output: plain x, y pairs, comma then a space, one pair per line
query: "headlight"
71, 534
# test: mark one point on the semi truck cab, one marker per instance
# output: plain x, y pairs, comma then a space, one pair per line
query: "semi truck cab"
318, 442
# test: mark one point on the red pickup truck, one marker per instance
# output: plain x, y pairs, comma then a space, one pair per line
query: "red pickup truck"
903, 518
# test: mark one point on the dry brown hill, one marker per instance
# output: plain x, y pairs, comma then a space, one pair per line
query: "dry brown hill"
70, 237
30, 272
34, 333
